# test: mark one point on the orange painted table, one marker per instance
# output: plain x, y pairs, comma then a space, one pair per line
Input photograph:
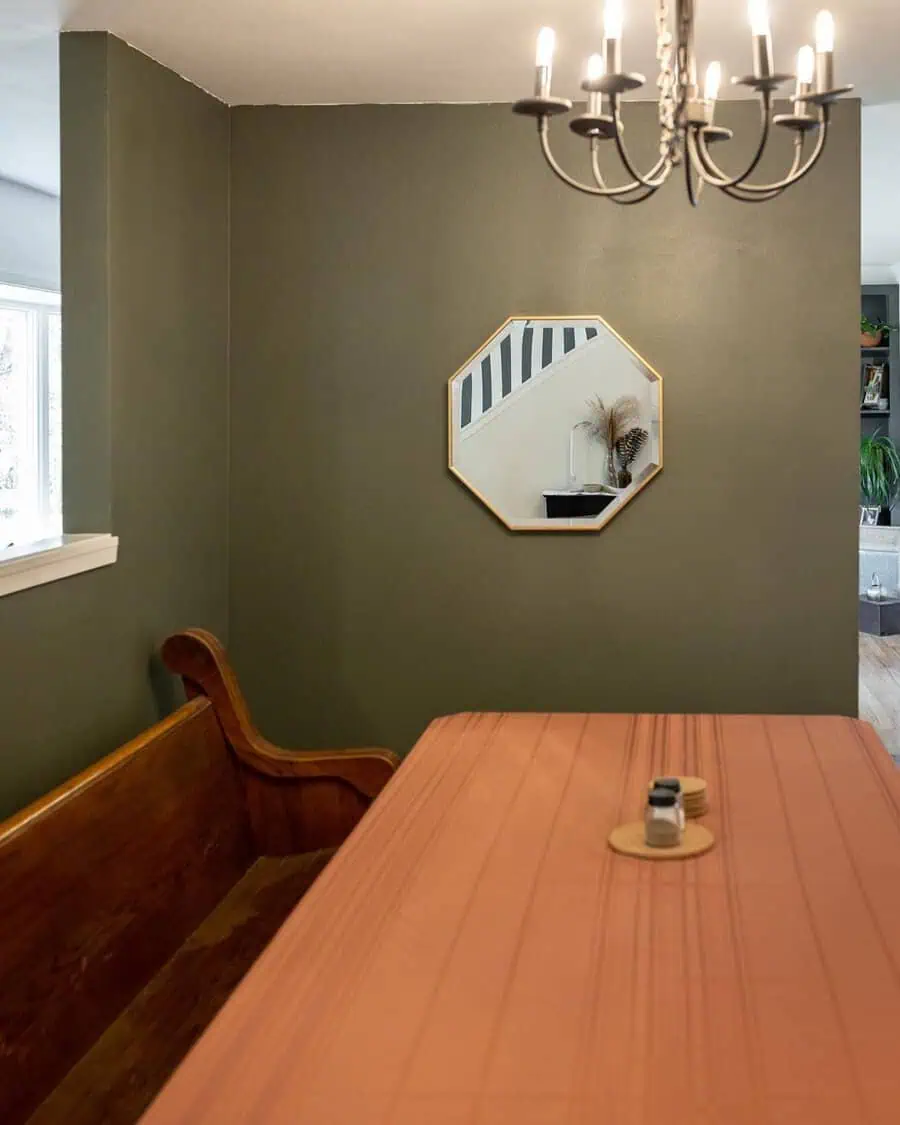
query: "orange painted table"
475, 955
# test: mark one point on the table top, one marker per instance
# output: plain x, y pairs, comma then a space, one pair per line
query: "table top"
476, 954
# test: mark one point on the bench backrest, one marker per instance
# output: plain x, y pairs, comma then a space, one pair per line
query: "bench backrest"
100, 883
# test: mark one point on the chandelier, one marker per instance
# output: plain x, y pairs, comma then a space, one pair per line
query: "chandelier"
687, 117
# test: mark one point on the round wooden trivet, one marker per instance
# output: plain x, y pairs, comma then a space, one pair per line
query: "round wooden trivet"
628, 839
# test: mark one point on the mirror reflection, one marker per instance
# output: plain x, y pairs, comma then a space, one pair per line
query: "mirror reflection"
556, 423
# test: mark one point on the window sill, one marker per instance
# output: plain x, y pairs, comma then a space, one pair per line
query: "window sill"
34, 564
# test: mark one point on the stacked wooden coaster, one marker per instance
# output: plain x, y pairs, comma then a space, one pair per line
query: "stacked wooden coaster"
694, 795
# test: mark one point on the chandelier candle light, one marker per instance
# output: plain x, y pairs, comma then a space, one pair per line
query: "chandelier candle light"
686, 117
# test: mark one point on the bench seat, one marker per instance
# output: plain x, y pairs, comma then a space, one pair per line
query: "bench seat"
136, 896
119, 1076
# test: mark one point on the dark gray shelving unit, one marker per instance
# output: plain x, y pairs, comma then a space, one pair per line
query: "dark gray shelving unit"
882, 302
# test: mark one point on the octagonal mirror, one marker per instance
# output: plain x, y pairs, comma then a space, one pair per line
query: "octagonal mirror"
555, 424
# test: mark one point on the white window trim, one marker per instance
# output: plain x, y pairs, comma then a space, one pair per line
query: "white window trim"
28, 296
34, 564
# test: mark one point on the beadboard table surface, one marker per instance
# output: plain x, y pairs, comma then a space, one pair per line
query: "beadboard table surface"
476, 954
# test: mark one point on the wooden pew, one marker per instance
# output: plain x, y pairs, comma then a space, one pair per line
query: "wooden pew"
135, 897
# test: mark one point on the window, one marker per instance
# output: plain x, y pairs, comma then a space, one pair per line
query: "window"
30, 415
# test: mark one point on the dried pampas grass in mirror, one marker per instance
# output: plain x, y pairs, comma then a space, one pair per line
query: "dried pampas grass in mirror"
610, 424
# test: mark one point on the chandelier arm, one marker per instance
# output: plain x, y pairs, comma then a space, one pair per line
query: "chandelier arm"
693, 193
660, 171
741, 194
595, 165
742, 197
794, 175
616, 194
722, 179
544, 134
562, 174
745, 192
647, 192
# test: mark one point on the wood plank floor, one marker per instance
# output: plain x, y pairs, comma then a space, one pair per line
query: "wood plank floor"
879, 687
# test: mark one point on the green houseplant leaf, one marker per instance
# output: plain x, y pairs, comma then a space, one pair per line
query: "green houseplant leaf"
873, 327
879, 471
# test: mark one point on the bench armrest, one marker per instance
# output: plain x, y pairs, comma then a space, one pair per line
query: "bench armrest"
199, 658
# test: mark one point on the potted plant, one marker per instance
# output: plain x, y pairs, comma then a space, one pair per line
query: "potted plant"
879, 474
873, 332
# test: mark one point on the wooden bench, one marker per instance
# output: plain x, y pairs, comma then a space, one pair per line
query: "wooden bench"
135, 897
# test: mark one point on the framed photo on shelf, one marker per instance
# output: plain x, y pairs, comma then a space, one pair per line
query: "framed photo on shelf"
868, 517
873, 385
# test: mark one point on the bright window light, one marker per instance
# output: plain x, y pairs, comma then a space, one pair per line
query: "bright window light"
30, 415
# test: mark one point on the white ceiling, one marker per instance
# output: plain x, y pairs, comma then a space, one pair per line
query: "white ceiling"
313, 51
29, 92
304, 52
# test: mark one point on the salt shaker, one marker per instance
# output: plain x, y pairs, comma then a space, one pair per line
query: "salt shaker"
661, 823
674, 784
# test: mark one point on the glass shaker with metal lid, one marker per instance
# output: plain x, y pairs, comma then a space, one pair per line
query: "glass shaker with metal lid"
662, 828
674, 784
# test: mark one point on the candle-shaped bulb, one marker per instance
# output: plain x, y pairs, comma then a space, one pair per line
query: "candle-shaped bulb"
546, 41
595, 68
759, 17
762, 39
824, 33
806, 64
613, 19
713, 81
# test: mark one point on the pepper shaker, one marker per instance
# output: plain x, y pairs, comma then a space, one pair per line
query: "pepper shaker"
661, 822
674, 784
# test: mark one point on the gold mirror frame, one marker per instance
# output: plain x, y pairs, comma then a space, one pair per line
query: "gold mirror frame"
564, 525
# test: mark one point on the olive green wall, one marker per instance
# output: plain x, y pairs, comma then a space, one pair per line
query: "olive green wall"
375, 248
372, 249
145, 280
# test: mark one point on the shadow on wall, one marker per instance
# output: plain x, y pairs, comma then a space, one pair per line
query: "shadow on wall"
167, 691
